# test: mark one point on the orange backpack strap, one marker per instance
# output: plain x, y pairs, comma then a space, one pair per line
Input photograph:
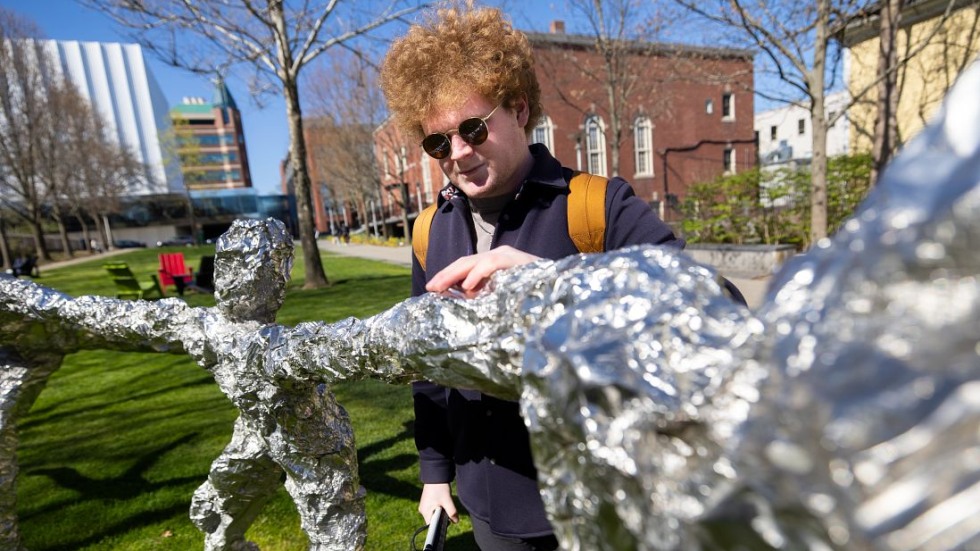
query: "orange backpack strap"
420, 233
587, 212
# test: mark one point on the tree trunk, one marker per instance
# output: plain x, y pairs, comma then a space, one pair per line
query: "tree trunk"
5, 245
63, 234
100, 228
886, 117
818, 196
615, 127
86, 236
40, 246
316, 278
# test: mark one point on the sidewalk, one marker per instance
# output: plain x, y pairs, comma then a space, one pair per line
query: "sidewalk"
80, 256
753, 288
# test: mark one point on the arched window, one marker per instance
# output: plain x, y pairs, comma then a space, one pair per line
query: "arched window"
544, 133
595, 145
643, 146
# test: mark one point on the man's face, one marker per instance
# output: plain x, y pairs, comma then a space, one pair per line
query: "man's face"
495, 167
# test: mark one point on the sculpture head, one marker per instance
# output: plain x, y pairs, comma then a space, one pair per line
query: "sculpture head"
251, 268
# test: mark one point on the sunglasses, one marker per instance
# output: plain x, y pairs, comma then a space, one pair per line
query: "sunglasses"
474, 131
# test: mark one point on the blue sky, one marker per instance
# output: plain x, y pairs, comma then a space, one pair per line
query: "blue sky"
266, 133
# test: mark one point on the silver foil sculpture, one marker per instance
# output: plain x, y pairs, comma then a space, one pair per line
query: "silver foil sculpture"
296, 428
843, 414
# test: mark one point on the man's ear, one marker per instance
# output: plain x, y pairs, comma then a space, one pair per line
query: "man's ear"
523, 111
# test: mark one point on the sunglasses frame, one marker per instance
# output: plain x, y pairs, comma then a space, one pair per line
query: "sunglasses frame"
444, 148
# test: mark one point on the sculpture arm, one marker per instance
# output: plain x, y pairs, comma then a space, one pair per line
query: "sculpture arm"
98, 322
453, 342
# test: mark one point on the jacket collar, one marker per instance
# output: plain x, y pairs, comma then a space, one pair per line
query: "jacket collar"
546, 171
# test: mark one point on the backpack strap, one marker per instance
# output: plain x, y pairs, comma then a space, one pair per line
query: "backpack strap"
420, 233
586, 217
587, 212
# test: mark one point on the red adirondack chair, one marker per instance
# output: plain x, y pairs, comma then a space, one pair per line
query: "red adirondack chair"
174, 272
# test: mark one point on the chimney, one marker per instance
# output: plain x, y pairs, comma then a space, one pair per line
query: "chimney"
557, 27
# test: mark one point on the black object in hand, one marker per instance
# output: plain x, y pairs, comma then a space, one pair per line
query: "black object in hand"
435, 538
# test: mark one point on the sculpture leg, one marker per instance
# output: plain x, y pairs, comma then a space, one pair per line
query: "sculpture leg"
21, 381
242, 480
320, 460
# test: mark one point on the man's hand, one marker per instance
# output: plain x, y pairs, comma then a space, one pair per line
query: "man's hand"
471, 273
434, 496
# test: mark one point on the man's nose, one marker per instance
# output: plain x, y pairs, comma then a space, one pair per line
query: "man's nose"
459, 149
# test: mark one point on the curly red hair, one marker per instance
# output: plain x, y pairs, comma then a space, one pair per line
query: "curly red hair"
460, 51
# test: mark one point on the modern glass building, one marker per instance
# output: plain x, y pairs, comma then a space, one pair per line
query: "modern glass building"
115, 79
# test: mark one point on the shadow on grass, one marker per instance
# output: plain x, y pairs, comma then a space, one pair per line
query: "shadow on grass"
43, 415
130, 484
146, 518
374, 473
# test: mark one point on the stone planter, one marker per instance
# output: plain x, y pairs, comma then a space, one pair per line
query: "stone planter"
741, 260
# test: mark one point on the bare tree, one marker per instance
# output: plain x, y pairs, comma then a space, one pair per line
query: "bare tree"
617, 52
101, 170
795, 40
952, 44
25, 72
61, 151
799, 43
276, 40
347, 105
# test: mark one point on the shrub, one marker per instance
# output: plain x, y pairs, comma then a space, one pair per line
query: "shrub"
765, 205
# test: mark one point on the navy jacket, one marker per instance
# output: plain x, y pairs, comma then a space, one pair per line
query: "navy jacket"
479, 440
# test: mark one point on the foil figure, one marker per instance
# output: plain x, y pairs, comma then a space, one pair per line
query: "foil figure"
296, 428
842, 414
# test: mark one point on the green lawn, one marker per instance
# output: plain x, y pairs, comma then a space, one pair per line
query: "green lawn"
116, 444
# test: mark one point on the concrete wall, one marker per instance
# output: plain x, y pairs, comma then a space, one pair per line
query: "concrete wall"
742, 260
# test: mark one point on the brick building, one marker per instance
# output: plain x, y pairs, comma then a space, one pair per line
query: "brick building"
686, 116
211, 142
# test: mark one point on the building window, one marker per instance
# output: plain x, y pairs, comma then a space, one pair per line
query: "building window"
729, 160
595, 146
544, 133
801, 126
384, 162
643, 146
772, 132
727, 106
709, 106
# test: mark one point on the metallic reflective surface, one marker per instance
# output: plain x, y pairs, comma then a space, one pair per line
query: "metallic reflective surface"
871, 419
296, 428
843, 414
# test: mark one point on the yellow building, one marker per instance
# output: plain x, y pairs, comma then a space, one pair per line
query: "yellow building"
944, 49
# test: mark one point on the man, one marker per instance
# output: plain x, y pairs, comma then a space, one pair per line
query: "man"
463, 85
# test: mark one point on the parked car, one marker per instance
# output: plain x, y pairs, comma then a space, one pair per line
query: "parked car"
128, 244
180, 241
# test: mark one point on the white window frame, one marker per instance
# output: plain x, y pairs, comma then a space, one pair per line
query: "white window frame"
729, 160
544, 133
643, 147
731, 106
595, 145
427, 180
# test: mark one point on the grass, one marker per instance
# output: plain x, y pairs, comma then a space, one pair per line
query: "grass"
114, 447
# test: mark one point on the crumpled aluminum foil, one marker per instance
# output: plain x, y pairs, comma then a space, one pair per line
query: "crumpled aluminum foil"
294, 426
843, 414
870, 421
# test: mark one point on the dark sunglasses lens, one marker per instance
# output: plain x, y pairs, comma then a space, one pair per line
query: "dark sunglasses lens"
436, 145
473, 131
